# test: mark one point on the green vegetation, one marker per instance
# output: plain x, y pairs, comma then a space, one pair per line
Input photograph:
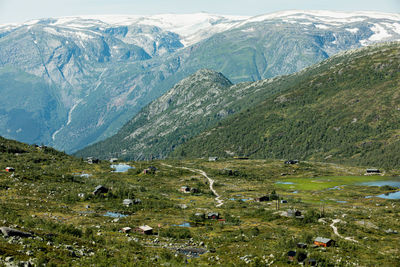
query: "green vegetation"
343, 110
328, 113
48, 196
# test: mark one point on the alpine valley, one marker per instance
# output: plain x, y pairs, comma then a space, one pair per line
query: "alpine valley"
201, 140
70, 82
344, 109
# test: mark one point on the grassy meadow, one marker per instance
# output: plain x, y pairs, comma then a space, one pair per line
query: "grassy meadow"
48, 196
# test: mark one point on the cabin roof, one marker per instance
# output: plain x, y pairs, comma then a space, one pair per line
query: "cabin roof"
145, 228
322, 240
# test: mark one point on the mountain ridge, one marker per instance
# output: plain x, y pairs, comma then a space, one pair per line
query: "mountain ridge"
104, 74
337, 115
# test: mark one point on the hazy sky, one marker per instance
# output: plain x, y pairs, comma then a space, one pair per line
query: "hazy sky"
23, 10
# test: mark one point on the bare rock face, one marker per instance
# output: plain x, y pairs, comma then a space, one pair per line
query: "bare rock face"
7, 232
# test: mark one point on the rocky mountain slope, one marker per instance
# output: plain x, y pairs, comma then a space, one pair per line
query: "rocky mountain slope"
346, 109
96, 72
192, 105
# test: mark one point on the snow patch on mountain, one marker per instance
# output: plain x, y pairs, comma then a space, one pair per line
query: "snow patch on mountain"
322, 27
328, 16
353, 30
380, 33
393, 26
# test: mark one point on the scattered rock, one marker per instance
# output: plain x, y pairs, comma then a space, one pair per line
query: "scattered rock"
7, 232
29, 253
368, 225
390, 231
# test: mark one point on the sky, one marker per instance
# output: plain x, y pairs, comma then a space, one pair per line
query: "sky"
17, 11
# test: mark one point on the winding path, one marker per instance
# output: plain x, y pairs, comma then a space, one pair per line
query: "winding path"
218, 199
334, 221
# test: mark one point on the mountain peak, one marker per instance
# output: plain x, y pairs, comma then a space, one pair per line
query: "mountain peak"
209, 75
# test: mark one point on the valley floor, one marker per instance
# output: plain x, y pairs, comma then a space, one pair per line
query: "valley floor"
70, 225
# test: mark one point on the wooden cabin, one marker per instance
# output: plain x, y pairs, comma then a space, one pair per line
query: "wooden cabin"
92, 160
100, 190
372, 171
292, 255
262, 199
293, 213
126, 229
184, 189
150, 170
302, 245
323, 242
213, 215
292, 161
212, 158
127, 202
10, 169
145, 230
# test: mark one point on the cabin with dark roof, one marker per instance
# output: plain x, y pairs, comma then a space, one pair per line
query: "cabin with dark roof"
10, 169
292, 161
213, 215
373, 171
184, 189
100, 190
301, 245
293, 213
262, 199
291, 255
150, 170
91, 160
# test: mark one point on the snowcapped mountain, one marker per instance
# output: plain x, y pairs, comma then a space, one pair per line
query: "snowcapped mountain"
193, 28
93, 73
385, 26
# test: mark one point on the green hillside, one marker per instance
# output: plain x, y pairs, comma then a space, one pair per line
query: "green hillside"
194, 104
346, 109
57, 219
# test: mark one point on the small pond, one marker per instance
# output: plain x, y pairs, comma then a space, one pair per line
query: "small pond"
280, 182
121, 167
336, 187
394, 195
241, 199
185, 224
114, 214
393, 183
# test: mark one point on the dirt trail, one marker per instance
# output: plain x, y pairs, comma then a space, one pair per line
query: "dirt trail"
335, 230
218, 199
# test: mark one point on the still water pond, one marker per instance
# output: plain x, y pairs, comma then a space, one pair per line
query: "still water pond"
114, 215
280, 182
121, 167
185, 224
393, 183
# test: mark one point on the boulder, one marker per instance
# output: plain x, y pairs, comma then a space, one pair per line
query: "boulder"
13, 232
